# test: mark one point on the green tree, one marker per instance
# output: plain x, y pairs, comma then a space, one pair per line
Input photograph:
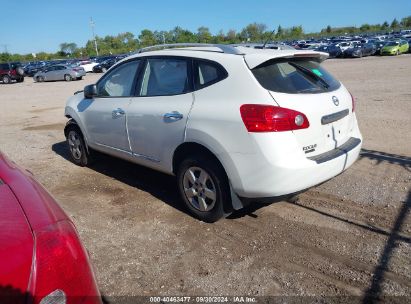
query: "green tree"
204, 35
68, 48
232, 36
328, 29
385, 25
406, 21
365, 27
147, 38
394, 23
254, 32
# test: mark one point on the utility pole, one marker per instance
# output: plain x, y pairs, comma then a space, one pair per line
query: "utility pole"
94, 35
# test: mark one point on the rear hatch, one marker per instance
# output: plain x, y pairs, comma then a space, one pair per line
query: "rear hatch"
301, 84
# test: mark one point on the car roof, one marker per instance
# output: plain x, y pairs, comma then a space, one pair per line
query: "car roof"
252, 56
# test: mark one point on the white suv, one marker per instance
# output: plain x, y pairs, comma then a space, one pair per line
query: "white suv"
233, 124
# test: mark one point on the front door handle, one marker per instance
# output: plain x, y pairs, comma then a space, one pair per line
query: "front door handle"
117, 113
173, 116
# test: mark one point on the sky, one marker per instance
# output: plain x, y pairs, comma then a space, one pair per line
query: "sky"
32, 26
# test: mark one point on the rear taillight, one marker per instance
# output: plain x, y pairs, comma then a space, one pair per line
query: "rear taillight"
352, 103
61, 267
266, 118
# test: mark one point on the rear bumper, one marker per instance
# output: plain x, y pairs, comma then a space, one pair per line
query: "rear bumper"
79, 74
259, 176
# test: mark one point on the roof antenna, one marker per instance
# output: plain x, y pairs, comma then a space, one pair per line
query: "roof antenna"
269, 37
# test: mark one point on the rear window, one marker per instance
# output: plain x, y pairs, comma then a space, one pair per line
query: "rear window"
295, 76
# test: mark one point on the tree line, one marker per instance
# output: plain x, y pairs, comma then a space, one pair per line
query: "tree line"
253, 33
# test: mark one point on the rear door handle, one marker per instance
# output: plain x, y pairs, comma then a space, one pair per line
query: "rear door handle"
173, 116
117, 113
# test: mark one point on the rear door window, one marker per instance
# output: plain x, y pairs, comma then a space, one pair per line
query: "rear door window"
165, 77
295, 76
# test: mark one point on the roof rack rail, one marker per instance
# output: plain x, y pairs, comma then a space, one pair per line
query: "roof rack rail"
225, 48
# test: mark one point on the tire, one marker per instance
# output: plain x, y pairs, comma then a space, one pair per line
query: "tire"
6, 79
21, 79
77, 146
39, 78
20, 71
203, 187
80, 78
67, 77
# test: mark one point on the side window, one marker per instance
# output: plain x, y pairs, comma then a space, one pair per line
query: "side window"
119, 82
165, 76
207, 73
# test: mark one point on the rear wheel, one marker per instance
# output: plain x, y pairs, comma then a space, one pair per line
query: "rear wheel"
77, 146
67, 77
80, 78
6, 79
203, 187
20, 79
40, 78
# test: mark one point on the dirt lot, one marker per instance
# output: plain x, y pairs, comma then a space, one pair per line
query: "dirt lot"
350, 236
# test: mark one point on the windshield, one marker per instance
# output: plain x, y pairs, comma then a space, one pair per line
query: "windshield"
392, 43
295, 76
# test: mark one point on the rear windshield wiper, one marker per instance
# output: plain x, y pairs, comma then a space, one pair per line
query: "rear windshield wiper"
310, 73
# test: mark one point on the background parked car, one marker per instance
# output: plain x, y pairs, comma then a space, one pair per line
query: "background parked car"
88, 65
33, 68
11, 71
360, 50
332, 50
395, 47
105, 65
59, 72
41, 254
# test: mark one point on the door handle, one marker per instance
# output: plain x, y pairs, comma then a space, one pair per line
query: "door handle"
117, 113
173, 116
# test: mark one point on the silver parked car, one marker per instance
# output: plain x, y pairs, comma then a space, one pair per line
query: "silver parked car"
59, 72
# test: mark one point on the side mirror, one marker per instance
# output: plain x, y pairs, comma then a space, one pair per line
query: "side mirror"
90, 91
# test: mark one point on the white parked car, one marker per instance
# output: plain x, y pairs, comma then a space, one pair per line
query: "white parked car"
88, 65
233, 124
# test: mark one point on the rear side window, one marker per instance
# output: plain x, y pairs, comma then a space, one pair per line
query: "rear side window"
4, 66
207, 73
295, 76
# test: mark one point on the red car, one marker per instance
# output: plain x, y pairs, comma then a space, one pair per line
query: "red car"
41, 257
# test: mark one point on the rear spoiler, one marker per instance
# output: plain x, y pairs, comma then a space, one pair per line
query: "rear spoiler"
255, 59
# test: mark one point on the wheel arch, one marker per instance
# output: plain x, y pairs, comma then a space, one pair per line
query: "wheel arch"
73, 123
193, 148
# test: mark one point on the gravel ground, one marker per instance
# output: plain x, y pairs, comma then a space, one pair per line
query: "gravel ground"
350, 236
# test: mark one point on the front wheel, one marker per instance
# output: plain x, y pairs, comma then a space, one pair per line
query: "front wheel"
203, 187
77, 146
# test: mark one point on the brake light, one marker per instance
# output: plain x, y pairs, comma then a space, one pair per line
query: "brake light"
266, 118
352, 103
61, 266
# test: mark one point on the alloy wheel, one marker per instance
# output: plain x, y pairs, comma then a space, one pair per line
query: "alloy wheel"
199, 189
74, 144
